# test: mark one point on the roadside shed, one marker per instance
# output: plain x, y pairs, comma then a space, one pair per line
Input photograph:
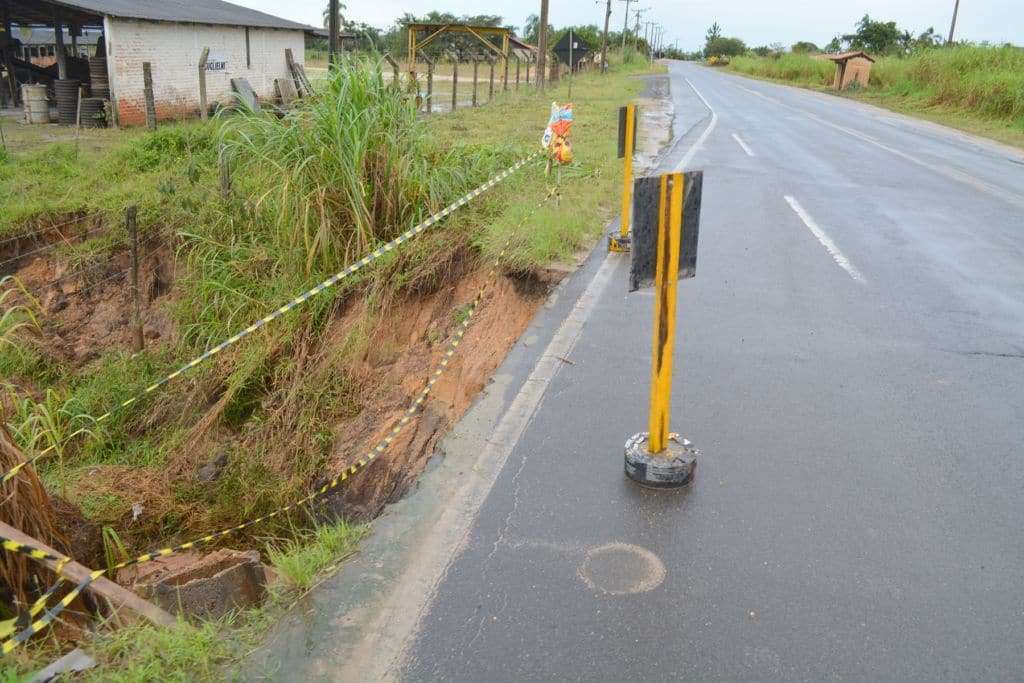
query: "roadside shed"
851, 67
571, 47
170, 35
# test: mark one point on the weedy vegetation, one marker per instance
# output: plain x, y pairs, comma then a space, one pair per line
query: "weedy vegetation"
977, 88
343, 172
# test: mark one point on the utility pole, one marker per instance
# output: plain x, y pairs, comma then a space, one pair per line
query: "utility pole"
332, 30
625, 24
952, 25
636, 31
542, 45
604, 43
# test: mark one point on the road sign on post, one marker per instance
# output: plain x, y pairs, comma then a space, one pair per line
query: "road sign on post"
627, 143
664, 250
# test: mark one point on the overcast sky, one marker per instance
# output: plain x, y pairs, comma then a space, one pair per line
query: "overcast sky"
758, 22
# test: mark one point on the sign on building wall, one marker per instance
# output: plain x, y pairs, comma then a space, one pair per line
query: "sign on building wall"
216, 61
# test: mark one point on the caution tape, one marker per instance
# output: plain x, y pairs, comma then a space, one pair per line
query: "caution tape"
33, 552
347, 473
25, 618
38, 625
356, 467
299, 300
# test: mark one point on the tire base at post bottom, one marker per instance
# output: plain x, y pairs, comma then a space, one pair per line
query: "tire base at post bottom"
672, 469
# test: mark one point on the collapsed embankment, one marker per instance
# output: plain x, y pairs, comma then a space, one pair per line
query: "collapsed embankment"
277, 414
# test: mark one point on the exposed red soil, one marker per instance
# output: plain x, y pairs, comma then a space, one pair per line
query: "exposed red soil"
88, 311
421, 328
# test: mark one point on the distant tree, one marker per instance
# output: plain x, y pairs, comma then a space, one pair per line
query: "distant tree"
714, 32
589, 34
804, 46
724, 47
341, 17
834, 45
531, 30
928, 39
761, 50
367, 37
875, 36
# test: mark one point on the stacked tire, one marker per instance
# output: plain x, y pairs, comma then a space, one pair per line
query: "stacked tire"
98, 81
93, 112
66, 91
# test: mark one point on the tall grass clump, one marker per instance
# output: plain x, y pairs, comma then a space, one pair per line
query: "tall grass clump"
347, 168
986, 81
799, 68
981, 81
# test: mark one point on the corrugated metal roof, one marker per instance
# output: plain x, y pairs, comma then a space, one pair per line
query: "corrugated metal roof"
187, 11
843, 56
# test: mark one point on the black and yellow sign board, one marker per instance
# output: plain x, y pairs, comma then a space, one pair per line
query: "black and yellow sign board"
666, 224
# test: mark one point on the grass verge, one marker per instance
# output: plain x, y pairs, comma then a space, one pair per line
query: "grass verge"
976, 89
206, 650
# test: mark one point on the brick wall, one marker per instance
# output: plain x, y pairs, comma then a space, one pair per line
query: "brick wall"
173, 51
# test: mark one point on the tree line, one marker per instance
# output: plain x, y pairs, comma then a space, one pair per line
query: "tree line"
394, 39
870, 35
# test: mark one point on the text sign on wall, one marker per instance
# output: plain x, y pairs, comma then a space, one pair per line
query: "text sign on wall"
216, 61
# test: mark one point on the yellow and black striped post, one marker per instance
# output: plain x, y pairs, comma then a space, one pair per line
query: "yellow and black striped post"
627, 144
670, 218
664, 251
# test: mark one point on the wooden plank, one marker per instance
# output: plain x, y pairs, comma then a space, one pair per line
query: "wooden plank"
202, 83
151, 103
285, 90
245, 93
103, 587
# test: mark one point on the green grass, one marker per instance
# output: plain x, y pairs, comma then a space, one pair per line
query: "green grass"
343, 173
206, 650
975, 88
300, 561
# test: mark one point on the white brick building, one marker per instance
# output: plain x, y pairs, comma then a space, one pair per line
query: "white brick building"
171, 36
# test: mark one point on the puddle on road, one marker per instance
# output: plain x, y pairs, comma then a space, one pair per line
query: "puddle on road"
621, 569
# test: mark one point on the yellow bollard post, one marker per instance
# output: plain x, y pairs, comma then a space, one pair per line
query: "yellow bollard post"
664, 250
670, 218
627, 141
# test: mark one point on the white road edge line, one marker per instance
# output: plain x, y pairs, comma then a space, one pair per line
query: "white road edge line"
703, 136
389, 635
742, 144
947, 171
825, 240
385, 648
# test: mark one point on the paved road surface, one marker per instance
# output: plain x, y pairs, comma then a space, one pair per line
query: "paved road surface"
851, 365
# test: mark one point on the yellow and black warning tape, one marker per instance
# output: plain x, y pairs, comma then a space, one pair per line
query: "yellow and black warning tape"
39, 624
298, 301
33, 552
25, 618
347, 473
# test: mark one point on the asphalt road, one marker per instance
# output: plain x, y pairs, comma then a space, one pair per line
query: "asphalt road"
851, 365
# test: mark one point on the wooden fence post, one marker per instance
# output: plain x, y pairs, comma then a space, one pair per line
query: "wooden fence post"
504, 79
131, 222
225, 174
147, 88
455, 84
394, 70
202, 83
490, 90
527, 72
476, 65
517, 72
430, 86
